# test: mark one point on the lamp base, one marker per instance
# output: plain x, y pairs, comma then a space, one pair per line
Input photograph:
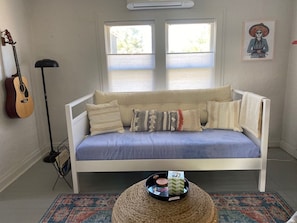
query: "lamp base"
51, 157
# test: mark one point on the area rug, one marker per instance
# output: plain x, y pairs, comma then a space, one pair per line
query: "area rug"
232, 207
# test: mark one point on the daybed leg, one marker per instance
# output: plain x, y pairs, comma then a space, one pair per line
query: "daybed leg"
75, 182
262, 180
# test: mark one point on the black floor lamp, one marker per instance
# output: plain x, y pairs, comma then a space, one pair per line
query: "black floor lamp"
50, 158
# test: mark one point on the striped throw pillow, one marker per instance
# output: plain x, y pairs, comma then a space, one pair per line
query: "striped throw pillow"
104, 118
223, 115
152, 120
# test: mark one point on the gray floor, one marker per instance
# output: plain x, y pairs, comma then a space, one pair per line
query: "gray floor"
27, 199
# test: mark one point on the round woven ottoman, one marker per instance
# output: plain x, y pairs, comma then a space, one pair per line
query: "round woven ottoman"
136, 205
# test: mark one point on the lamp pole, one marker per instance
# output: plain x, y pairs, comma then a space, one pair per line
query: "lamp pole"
50, 158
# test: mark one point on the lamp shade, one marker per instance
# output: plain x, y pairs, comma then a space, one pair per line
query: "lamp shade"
46, 63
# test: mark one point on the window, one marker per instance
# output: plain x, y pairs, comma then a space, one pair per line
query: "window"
190, 54
130, 58
187, 61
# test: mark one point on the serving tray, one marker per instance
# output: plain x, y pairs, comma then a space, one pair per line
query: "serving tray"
160, 192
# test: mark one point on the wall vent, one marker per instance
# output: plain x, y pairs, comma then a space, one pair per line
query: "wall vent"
158, 4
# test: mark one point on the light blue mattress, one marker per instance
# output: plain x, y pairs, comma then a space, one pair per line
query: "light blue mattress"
167, 145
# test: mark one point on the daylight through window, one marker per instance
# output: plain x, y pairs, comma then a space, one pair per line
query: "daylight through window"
190, 55
131, 55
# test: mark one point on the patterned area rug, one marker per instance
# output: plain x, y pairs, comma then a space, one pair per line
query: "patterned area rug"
233, 207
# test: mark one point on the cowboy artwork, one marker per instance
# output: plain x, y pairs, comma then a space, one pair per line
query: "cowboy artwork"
258, 46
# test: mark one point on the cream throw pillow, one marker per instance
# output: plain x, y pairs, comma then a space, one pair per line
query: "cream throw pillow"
223, 115
105, 118
191, 120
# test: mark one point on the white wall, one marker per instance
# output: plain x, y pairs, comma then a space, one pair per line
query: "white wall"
289, 130
65, 31
70, 31
263, 77
19, 146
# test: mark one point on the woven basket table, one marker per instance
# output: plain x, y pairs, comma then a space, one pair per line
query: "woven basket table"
135, 205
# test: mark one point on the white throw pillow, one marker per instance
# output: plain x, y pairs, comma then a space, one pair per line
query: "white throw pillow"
223, 115
104, 118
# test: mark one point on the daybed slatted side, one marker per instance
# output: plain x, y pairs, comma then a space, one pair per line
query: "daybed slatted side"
262, 142
77, 128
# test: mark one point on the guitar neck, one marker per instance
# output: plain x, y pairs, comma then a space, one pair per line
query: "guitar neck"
17, 63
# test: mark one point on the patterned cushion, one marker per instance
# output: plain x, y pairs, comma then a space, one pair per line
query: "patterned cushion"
152, 120
223, 115
104, 118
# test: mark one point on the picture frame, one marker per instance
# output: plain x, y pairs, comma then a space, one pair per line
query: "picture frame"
258, 40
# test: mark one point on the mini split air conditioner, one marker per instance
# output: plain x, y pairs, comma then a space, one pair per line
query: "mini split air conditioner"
158, 4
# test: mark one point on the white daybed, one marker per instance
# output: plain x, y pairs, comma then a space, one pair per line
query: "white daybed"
78, 128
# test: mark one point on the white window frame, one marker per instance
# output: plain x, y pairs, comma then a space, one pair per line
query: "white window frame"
159, 33
107, 26
212, 47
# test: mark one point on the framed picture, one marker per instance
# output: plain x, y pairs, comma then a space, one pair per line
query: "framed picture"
258, 40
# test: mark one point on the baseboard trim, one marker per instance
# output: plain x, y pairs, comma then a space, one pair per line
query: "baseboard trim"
17, 170
289, 148
274, 143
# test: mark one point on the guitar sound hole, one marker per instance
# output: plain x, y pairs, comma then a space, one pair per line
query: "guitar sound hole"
24, 90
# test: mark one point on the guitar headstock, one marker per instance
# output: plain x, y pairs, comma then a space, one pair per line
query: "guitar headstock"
7, 38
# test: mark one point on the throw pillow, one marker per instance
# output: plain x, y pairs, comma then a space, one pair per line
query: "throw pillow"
152, 120
191, 120
223, 115
104, 118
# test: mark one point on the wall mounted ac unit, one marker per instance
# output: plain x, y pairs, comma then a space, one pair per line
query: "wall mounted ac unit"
158, 4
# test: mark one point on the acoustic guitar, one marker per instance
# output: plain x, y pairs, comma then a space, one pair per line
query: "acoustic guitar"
19, 103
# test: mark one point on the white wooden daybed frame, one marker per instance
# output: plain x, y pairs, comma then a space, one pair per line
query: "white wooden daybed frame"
78, 128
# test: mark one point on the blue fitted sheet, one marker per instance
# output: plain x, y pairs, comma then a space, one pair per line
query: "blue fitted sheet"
210, 143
